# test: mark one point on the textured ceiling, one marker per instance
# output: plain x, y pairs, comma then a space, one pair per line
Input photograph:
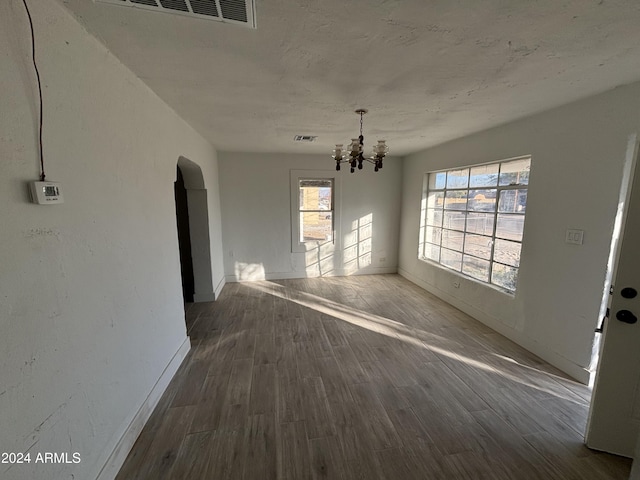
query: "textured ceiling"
428, 71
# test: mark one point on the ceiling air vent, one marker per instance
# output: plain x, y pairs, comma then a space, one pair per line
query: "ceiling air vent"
305, 138
240, 12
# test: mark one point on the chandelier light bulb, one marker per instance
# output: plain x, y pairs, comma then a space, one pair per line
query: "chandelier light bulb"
381, 149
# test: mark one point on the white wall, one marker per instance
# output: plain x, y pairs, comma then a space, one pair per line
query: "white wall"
256, 220
577, 157
91, 307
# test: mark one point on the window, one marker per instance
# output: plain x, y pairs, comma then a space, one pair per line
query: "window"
313, 209
473, 220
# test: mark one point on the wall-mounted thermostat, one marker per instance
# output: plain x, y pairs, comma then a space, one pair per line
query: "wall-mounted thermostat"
46, 193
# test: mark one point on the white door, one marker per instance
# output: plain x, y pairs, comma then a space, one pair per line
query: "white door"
614, 420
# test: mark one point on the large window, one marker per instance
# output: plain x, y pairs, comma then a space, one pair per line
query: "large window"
473, 220
313, 199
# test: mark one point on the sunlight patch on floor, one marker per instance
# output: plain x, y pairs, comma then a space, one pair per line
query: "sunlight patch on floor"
392, 328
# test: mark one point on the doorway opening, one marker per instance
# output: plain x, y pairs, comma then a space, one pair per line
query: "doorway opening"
192, 220
184, 238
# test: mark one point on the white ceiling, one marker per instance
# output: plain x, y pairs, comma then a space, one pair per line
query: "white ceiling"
428, 71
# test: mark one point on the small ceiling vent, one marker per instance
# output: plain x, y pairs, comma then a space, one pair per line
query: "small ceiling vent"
241, 12
305, 138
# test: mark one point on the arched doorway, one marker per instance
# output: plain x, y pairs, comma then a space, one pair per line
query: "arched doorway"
184, 237
192, 217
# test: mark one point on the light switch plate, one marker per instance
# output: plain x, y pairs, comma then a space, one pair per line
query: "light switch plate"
574, 237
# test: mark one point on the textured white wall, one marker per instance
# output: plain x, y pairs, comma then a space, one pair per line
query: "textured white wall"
577, 157
256, 220
90, 298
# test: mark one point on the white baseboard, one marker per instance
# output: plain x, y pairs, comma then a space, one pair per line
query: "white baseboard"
219, 287
575, 371
131, 432
209, 296
204, 297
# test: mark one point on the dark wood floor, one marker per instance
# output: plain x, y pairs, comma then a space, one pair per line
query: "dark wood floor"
366, 378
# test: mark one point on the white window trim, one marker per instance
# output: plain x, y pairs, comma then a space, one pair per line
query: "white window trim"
295, 176
421, 241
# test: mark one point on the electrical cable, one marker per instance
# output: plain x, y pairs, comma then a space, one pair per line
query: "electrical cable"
35, 66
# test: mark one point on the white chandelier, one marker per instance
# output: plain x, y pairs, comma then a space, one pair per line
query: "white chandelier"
355, 155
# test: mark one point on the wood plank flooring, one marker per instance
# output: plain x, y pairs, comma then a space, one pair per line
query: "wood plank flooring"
364, 377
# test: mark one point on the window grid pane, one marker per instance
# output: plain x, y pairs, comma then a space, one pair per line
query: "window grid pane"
437, 181
458, 178
432, 235
456, 199
507, 252
432, 251
476, 268
480, 223
515, 172
484, 176
504, 276
454, 220
513, 201
435, 200
482, 200
480, 231
453, 240
478, 246
434, 217
316, 226
451, 259
510, 227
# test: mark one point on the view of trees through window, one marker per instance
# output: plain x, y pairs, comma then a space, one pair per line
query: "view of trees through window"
473, 220
315, 207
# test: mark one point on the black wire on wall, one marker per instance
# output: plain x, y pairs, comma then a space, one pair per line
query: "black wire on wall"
35, 66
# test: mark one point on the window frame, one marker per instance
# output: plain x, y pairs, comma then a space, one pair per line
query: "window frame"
295, 177
427, 228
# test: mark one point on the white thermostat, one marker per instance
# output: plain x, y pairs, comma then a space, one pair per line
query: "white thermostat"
46, 193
